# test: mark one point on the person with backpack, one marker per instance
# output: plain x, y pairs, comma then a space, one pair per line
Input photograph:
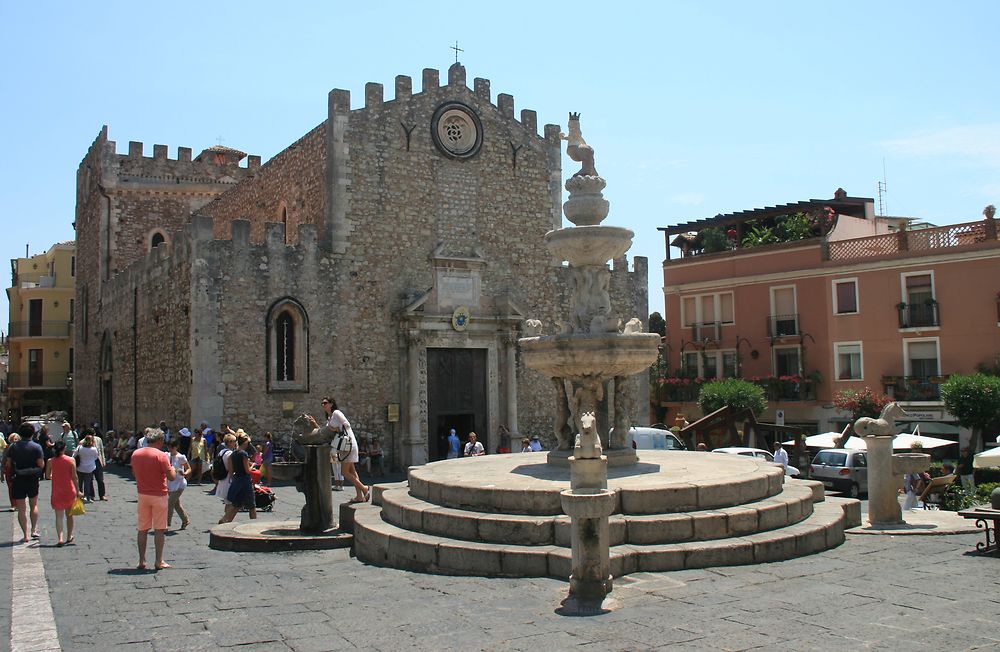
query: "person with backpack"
220, 473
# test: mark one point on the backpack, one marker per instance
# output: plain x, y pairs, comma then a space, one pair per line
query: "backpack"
219, 471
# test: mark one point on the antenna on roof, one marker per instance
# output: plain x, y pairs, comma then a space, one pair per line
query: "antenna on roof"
882, 191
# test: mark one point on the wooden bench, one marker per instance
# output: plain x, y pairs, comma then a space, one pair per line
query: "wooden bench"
983, 516
933, 492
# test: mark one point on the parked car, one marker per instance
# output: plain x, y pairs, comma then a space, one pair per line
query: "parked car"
758, 453
654, 439
841, 469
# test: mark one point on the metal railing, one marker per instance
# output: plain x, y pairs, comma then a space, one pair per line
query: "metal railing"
913, 388
917, 315
40, 328
783, 325
710, 330
19, 379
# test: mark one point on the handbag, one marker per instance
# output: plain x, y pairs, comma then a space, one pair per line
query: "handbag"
341, 445
77, 508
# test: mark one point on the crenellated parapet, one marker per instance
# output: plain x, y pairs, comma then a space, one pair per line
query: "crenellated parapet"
430, 83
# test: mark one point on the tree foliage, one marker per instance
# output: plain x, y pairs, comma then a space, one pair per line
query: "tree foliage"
974, 400
657, 324
865, 403
737, 394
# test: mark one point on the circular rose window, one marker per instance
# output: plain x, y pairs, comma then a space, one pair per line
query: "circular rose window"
456, 130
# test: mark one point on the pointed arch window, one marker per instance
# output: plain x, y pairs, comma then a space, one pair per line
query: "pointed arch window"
287, 346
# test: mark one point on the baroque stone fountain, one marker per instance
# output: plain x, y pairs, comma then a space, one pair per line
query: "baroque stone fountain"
591, 349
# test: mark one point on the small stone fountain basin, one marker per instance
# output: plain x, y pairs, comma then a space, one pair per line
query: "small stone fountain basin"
910, 462
285, 471
588, 503
589, 245
584, 355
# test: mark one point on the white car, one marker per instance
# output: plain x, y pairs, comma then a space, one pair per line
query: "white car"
759, 453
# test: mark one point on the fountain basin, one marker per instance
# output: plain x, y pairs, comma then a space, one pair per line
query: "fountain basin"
285, 471
588, 503
589, 245
583, 355
910, 462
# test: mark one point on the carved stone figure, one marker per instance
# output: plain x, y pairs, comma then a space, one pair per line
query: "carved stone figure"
304, 434
591, 301
633, 327
622, 422
578, 149
884, 426
532, 328
588, 442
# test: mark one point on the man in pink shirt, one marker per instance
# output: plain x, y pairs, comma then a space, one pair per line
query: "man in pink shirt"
151, 468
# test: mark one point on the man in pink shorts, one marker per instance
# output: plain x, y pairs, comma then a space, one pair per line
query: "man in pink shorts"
151, 468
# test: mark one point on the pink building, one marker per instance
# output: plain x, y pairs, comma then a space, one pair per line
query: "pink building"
818, 296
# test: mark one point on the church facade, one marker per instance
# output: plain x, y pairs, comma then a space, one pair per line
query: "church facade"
387, 258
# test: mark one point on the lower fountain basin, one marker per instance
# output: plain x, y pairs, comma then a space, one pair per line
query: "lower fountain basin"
585, 355
588, 503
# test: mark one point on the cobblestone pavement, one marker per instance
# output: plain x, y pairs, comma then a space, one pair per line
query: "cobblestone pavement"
881, 592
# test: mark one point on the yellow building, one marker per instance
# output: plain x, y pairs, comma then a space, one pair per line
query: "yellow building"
40, 338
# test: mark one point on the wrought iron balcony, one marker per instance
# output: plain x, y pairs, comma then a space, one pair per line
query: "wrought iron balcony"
33, 380
918, 315
40, 329
913, 388
709, 330
783, 326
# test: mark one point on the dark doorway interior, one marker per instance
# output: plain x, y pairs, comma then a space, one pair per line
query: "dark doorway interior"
456, 397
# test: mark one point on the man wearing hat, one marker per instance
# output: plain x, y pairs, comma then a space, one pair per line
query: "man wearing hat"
535, 444
151, 468
69, 438
185, 442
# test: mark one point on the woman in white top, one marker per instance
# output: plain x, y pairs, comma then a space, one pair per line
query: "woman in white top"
336, 421
86, 455
176, 486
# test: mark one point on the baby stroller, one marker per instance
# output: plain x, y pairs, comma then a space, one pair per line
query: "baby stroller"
263, 497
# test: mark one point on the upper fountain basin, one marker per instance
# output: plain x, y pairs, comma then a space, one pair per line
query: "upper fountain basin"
589, 245
586, 355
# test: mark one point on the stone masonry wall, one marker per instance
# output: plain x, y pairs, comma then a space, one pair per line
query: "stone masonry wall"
289, 185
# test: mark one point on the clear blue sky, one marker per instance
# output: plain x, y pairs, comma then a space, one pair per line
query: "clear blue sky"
693, 108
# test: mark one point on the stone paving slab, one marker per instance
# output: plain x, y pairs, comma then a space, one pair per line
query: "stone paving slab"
880, 592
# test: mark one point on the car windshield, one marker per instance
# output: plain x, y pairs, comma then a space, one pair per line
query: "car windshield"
831, 458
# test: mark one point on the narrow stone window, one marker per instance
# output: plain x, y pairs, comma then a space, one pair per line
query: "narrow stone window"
287, 346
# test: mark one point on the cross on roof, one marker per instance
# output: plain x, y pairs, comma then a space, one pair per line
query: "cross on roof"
457, 50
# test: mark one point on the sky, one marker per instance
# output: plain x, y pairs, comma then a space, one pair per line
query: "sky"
693, 108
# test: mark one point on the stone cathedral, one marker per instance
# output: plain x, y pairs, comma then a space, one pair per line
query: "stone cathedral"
387, 258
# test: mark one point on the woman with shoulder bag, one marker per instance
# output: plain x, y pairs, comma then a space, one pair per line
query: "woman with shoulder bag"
61, 470
336, 421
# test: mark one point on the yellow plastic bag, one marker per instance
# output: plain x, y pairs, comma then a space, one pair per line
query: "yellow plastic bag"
77, 508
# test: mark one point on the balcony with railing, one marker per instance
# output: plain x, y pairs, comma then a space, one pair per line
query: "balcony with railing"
913, 388
783, 326
709, 330
915, 241
36, 380
918, 315
40, 329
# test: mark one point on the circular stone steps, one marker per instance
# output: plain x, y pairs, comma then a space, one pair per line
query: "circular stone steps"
401, 508
499, 516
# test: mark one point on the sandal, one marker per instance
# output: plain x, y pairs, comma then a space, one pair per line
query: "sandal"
368, 494
356, 501
70, 539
